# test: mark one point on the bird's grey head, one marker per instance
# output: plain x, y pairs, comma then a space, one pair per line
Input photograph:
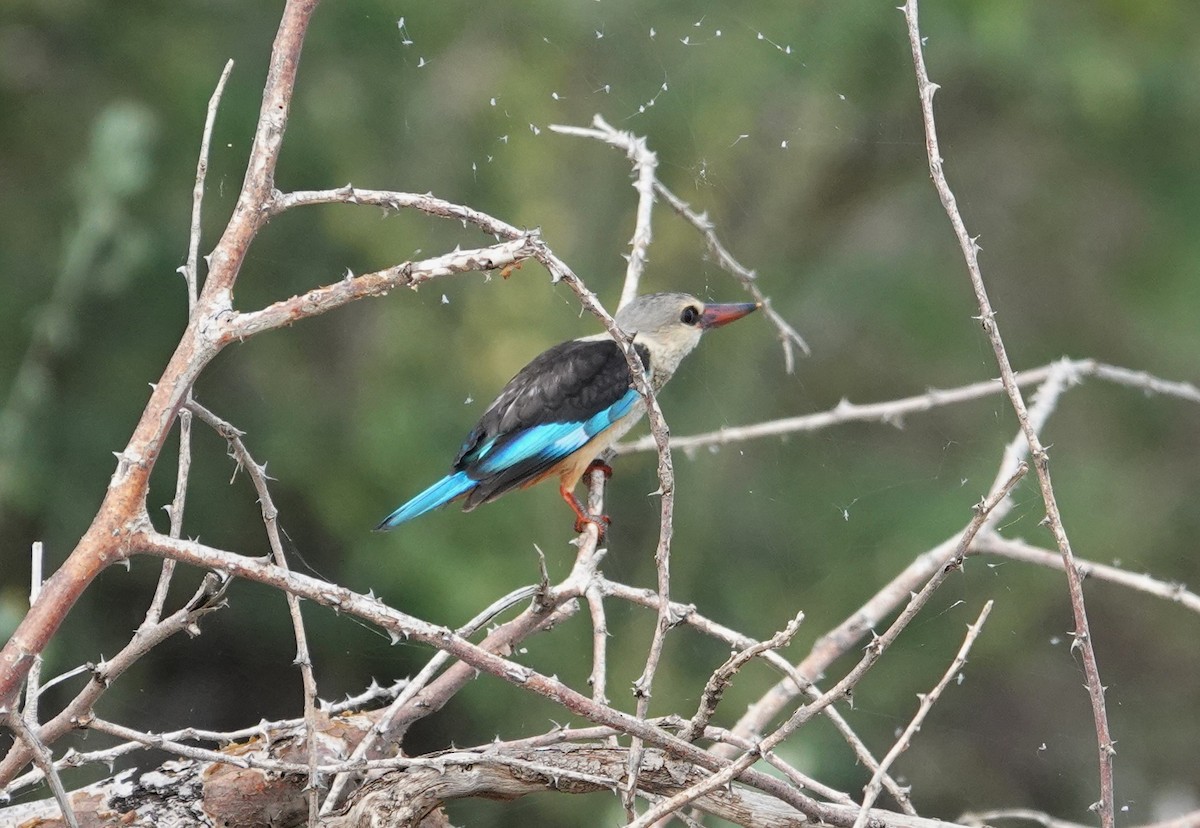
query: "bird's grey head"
670, 325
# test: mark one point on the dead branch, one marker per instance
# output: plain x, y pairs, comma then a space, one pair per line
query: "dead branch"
1041, 458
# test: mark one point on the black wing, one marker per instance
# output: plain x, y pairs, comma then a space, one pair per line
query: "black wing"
567, 384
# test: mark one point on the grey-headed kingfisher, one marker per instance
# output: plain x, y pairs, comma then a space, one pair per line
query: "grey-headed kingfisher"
563, 409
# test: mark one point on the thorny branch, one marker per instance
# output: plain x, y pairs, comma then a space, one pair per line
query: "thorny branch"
927, 701
854, 628
894, 412
795, 680
270, 516
1041, 458
123, 511
645, 166
874, 651
122, 529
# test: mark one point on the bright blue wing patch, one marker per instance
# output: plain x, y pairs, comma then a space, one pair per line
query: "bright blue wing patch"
547, 441
550, 442
439, 493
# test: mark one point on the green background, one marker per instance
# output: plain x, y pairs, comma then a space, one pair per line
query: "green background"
1069, 131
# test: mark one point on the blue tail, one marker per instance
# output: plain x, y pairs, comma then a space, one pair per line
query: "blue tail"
438, 494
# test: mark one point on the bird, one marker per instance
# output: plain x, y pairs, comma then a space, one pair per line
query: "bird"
568, 405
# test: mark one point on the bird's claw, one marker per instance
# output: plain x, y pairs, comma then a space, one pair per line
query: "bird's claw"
600, 466
601, 522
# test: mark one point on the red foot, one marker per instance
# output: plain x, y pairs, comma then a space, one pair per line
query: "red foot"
600, 466
601, 522
582, 516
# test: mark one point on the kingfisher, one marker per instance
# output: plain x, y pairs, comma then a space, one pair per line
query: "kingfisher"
571, 403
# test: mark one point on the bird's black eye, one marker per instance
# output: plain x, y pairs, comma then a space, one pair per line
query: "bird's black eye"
690, 315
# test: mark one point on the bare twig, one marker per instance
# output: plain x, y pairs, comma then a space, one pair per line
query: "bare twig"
788, 336
598, 678
1041, 459
927, 701
645, 166
158, 602
874, 651
796, 680
635, 148
645, 163
191, 279
662, 562
990, 543
845, 635
985, 818
191, 269
45, 762
33, 680
594, 596
478, 657
980, 819
379, 283
270, 516
893, 412
146, 638
719, 681
385, 725
267, 731
123, 512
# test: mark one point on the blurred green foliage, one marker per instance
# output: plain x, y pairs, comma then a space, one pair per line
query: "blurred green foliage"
1069, 131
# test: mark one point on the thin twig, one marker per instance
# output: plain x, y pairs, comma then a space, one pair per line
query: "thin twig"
403, 626
1041, 461
339, 788
192, 281
45, 762
990, 543
874, 651
788, 336
983, 819
893, 412
645, 167
320, 300
270, 515
721, 678
191, 269
795, 679
845, 635
33, 688
206, 600
164, 743
601, 130
598, 677
643, 685
158, 602
645, 163
267, 731
927, 701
